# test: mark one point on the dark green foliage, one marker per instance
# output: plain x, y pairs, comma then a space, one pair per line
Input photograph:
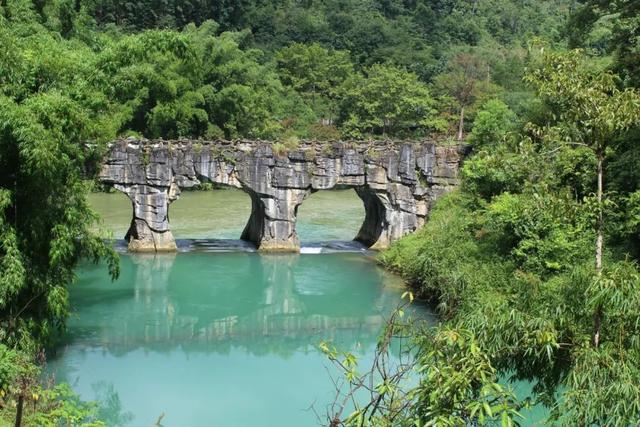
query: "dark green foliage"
45, 220
510, 256
386, 100
610, 27
266, 69
44, 217
169, 84
45, 405
457, 386
531, 314
48, 115
339, 36
494, 124
464, 84
315, 73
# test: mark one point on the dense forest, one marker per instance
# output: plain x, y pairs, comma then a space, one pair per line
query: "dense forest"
275, 69
532, 263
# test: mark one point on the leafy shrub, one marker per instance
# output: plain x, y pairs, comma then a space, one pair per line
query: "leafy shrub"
492, 124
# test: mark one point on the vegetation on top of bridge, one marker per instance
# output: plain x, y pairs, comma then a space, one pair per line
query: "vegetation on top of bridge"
289, 143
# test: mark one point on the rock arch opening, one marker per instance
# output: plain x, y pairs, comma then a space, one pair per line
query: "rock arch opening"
330, 215
374, 221
210, 212
114, 209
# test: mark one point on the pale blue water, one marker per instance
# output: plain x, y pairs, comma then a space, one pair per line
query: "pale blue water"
210, 338
225, 339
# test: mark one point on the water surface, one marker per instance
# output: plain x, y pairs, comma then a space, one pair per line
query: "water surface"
218, 334
225, 339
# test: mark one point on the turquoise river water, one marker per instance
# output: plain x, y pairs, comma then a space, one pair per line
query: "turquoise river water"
223, 338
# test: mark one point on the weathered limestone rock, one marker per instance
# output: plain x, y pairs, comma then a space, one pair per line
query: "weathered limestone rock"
397, 182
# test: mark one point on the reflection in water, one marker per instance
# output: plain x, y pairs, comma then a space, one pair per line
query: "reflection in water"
164, 301
111, 412
229, 337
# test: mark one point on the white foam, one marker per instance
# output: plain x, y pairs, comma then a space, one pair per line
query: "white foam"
304, 250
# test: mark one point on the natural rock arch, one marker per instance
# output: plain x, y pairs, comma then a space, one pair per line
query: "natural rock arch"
398, 183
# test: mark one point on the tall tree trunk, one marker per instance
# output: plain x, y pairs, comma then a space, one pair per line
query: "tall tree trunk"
461, 125
597, 317
19, 411
600, 224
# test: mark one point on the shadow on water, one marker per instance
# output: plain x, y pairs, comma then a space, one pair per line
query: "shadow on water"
236, 245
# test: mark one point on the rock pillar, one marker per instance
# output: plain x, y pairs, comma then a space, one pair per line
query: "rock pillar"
144, 173
272, 225
149, 230
277, 185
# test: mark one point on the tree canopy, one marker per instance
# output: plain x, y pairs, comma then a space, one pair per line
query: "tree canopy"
271, 69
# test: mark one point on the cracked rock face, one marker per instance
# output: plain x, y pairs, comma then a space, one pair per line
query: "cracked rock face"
397, 182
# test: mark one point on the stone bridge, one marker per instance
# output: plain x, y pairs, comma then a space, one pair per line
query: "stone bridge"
398, 183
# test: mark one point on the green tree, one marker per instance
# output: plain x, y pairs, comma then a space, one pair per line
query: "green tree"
45, 219
457, 385
386, 100
190, 84
467, 82
613, 26
492, 124
510, 257
593, 112
314, 72
38, 405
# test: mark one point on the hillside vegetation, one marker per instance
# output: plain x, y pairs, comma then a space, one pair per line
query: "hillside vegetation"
273, 69
536, 256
